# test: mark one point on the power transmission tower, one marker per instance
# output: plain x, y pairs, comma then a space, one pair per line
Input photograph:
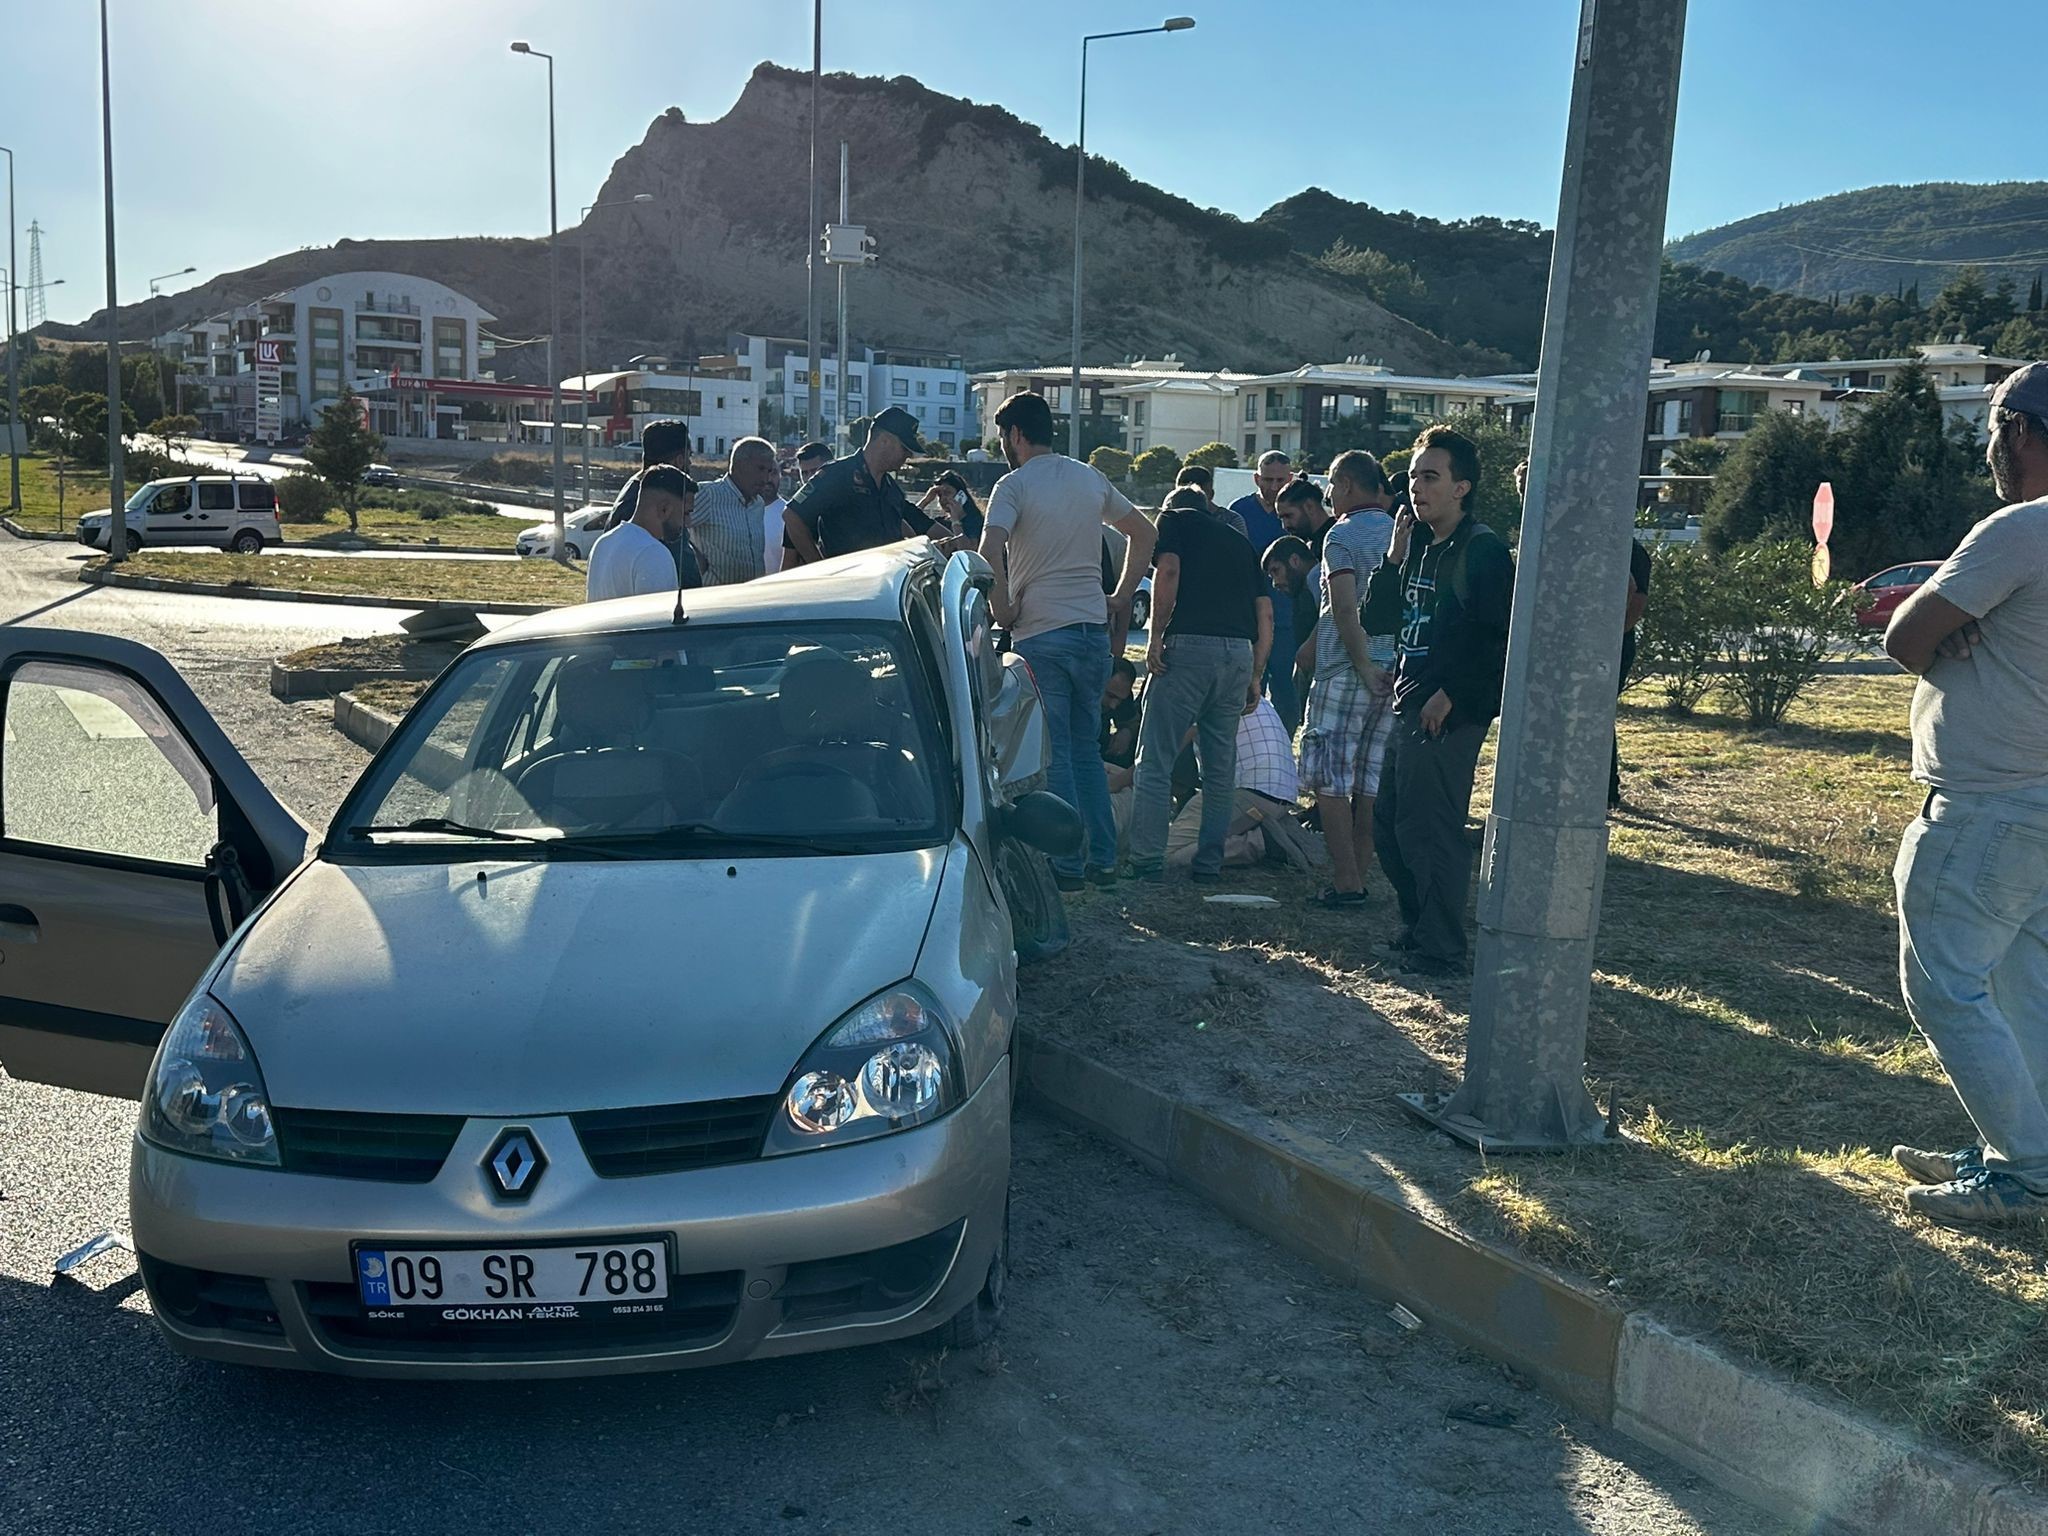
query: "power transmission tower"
38, 311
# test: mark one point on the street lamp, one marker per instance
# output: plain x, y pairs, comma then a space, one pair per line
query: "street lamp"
15, 423
177, 378
13, 370
554, 309
1171, 24
117, 523
583, 320
156, 282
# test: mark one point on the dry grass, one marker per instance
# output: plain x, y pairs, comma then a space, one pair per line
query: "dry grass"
85, 490
1745, 1015
393, 698
482, 581
395, 525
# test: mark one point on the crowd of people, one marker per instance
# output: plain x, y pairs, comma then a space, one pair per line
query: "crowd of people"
1349, 643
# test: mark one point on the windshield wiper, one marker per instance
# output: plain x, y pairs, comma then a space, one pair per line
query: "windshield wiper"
706, 832
464, 829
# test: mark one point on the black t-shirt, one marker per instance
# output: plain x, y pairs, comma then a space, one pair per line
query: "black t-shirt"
1220, 579
1639, 567
847, 509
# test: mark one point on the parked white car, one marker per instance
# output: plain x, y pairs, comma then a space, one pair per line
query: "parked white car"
235, 512
583, 527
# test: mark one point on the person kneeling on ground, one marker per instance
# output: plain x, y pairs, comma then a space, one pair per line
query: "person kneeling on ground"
1263, 828
1211, 628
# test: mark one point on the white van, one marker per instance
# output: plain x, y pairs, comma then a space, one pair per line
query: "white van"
235, 512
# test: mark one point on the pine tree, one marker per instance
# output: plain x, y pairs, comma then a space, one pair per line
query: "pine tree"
2034, 296
342, 449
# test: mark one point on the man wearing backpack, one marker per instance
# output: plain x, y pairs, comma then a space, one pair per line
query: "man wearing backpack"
1447, 598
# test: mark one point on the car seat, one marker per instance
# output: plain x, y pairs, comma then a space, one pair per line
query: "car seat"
843, 764
598, 776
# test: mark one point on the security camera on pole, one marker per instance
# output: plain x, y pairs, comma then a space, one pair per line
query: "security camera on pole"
846, 245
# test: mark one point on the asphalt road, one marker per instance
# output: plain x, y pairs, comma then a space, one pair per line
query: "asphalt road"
1161, 1369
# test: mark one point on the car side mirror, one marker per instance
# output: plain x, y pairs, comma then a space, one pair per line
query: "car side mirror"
1044, 821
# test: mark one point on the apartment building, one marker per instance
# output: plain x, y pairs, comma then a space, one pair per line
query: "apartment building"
266, 367
932, 386
1118, 405
715, 397
1320, 408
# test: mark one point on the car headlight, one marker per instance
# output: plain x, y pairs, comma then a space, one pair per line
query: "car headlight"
887, 1066
205, 1095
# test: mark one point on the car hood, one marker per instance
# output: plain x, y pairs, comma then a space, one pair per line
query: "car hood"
555, 986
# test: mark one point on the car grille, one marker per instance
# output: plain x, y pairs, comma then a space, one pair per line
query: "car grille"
699, 1311
342, 1144
673, 1138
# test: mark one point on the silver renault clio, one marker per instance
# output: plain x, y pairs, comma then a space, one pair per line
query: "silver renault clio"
650, 1001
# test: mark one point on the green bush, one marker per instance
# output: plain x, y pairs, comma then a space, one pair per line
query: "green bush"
1155, 467
1214, 456
1685, 627
303, 498
510, 469
1113, 462
1784, 626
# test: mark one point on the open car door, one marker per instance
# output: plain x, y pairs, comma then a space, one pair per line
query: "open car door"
133, 840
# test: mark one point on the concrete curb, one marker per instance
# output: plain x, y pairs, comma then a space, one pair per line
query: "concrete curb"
290, 595
366, 727
296, 547
1778, 1445
324, 682
32, 533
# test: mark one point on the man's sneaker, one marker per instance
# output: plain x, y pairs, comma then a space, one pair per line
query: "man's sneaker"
1069, 883
1206, 876
1985, 1198
1151, 874
1402, 943
1339, 901
1938, 1167
1414, 963
1096, 875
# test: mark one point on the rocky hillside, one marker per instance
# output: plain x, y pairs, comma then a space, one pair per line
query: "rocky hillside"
973, 212
1876, 239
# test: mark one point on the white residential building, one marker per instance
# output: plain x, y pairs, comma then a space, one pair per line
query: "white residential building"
410, 338
932, 386
1320, 407
720, 405
1107, 405
1705, 399
1963, 374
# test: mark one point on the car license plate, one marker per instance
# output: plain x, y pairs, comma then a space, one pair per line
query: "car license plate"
514, 1284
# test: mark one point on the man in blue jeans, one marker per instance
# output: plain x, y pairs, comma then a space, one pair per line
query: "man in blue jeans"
1972, 871
1043, 538
1212, 629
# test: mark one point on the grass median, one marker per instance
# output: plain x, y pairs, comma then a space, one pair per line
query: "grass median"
1745, 1017
406, 525
84, 490
470, 581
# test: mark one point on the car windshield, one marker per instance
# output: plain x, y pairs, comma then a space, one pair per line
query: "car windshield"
135, 503
674, 743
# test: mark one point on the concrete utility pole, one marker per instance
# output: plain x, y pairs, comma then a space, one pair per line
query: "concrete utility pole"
1546, 840
554, 313
840, 333
814, 416
117, 522
15, 428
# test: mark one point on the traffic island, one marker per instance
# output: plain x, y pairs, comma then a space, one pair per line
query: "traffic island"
322, 671
476, 586
1747, 1241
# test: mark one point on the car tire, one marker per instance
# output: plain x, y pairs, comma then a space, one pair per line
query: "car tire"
247, 542
978, 1322
1038, 914
1141, 610
134, 542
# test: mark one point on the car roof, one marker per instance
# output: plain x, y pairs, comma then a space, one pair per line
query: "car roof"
252, 478
865, 585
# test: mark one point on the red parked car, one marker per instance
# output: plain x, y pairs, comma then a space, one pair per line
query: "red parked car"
1890, 588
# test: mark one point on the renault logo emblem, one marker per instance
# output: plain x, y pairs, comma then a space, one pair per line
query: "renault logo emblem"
516, 1163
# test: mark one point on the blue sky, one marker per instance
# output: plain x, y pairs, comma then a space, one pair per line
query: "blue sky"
243, 128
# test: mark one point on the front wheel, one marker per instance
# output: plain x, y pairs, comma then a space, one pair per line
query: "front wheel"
134, 542
1141, 610
1038, 915
977, 1322
247, 542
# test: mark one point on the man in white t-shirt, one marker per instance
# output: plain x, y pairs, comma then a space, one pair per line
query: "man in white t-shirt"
1043, 537
634, 558
1972, 871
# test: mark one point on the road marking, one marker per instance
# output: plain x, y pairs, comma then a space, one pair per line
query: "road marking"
100, 719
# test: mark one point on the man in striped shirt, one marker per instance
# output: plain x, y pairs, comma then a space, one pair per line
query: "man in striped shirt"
727, 525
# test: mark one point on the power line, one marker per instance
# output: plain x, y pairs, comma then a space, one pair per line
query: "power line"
2019, 259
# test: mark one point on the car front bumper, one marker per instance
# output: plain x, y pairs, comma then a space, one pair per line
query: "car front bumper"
877, 1240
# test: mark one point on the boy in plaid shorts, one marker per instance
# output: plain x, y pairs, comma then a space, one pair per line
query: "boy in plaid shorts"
1350, 703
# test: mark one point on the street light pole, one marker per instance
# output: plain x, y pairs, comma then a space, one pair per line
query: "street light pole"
583, 321
554, 311
13, 398
813, 428
1172, 24
1546, 839
14, 422
177, 378
117, 522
